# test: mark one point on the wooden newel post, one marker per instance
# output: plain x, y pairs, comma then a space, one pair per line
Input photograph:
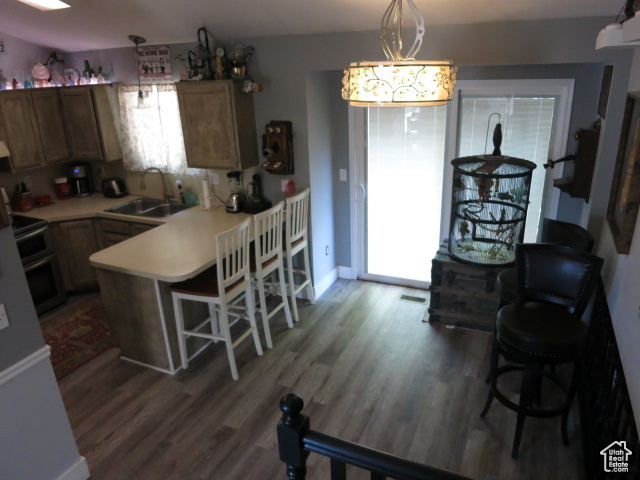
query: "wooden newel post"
291, 431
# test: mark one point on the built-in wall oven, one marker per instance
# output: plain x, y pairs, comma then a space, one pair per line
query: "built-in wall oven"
40, 265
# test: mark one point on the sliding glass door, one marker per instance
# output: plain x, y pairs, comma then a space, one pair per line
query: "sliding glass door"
401, 175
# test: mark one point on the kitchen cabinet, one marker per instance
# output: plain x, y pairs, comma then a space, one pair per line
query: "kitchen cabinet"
218, 125
92, 117
112, 232
48, 113
74, 242
19, 129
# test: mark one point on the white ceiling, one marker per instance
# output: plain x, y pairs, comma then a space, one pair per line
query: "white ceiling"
100, 24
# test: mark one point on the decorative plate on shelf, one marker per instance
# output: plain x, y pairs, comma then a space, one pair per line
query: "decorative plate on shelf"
40, 72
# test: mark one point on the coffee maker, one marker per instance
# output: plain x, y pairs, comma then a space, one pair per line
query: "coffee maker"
80, 181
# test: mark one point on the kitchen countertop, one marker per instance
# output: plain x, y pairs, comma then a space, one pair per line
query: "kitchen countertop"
179, 248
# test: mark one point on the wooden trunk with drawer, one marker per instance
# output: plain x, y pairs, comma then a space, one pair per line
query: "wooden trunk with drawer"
463, 294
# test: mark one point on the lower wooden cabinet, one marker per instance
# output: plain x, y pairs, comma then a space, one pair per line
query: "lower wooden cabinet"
111, 232
74, 242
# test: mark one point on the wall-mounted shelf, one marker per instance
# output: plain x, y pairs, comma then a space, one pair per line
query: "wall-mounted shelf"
625, 34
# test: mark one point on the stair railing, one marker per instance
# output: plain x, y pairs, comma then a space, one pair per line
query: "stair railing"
296, 440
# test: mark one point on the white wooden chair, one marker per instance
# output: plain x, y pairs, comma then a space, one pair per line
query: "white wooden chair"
296, 241
226, 288
268, 261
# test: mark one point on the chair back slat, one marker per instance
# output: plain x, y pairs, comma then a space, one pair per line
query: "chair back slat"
297, 216
268, 233
232, 248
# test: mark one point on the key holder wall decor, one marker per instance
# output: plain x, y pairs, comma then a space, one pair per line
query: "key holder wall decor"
277, 147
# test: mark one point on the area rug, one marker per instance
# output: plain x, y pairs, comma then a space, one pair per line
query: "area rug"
77, 335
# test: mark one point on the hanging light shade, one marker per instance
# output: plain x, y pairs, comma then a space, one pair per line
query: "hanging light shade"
401, 81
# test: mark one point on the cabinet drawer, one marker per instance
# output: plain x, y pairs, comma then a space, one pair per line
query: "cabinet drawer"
114, 226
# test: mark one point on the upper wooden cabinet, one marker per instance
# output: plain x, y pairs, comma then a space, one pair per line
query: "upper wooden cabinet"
52, 125
218, 124
48, 113
92, 118
19, 129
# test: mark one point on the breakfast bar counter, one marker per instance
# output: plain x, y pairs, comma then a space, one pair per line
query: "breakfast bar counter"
135, 278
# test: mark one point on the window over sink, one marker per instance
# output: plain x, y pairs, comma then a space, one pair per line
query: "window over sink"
152, 136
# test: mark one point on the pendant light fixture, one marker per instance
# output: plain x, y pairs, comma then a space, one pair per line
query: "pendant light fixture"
401, 81
138, 41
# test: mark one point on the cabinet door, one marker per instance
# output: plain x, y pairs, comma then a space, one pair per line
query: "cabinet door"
19, 129
80, 118
214, 128
79, 244
48, 111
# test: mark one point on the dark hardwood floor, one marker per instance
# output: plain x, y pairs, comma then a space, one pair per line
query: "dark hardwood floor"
369, 370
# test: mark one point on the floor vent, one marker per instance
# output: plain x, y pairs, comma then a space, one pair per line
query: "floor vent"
409, 298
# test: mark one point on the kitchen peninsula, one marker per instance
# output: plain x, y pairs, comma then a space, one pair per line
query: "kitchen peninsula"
134, 275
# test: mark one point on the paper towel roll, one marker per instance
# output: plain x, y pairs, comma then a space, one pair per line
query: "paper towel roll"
206, 194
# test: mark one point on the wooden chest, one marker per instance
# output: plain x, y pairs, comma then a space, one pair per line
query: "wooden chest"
463, 294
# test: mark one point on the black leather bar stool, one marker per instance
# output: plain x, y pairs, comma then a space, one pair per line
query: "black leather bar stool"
544, 327
553, 231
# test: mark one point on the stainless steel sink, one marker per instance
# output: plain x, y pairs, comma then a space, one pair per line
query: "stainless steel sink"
164, 210
148, 207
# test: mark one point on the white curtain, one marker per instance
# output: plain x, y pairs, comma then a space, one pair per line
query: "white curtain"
152, 136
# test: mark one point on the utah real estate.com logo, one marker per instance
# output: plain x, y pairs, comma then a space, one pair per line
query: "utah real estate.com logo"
616, 457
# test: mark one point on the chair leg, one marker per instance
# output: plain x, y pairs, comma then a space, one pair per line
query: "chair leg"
226, 332
182, 342
575, 375
263, 310
307, 268
292, 288
284, 296
251, 310
493, 373
214, 320
527, 396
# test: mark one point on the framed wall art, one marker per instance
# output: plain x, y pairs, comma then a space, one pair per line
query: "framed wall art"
625, 186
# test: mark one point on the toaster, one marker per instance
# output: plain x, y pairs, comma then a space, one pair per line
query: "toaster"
114, 187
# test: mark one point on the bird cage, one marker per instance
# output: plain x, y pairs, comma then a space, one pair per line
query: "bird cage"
489, 208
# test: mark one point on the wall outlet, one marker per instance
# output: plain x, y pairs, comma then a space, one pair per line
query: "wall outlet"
215, 178
343, 174
326, 251
283, 184
4, 319
99, 170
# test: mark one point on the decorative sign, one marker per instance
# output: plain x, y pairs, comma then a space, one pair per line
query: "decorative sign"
154, 64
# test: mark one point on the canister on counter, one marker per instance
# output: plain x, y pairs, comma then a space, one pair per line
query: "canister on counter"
62, 188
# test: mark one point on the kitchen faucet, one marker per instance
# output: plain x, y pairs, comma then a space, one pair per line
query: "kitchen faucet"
166, 193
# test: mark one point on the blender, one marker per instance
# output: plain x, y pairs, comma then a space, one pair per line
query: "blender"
235, 202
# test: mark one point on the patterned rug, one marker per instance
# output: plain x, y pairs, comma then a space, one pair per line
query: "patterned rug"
77, 335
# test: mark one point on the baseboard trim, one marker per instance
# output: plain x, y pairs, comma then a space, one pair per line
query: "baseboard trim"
324, 284
26, 363
78, 471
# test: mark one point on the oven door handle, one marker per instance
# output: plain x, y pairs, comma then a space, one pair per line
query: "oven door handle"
35, 233
39, 263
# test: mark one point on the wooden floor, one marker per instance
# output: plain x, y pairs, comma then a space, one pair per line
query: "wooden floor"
369, 371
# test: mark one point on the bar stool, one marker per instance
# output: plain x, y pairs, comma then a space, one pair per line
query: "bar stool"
267, 261
543, 328
223, 287
553, 231
296, 241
